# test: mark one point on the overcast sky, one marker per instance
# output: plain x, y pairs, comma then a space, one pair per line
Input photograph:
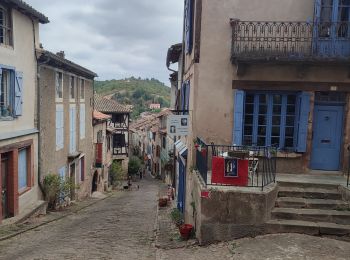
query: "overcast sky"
114, 38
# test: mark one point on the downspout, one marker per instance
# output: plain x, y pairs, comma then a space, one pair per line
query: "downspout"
38, 110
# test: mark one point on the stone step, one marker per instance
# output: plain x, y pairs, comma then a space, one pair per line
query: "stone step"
310, 193
307, 227
315, 215
314, 184
292, 202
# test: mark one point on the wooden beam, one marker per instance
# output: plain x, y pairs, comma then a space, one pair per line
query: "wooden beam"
290, 85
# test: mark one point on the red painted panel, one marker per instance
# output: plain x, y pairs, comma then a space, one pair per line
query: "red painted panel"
99, 159
218, 173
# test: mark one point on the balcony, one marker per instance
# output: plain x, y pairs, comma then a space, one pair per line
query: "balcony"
235, 166
280, 42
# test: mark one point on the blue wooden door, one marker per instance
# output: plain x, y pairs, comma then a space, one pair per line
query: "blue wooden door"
181, 187
327, 137
332, 28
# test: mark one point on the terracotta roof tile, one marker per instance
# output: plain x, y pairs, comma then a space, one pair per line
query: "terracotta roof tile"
100, 116
106, 105
29, 10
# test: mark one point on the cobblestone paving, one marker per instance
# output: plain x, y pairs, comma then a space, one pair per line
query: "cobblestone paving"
119, 227
271, 247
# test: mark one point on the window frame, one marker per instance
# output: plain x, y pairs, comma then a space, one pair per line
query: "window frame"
72, 88
57, 80
82, 89
6, 26
29, 169
269, 116
10, 92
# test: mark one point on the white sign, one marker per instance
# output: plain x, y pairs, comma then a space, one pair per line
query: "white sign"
178, 125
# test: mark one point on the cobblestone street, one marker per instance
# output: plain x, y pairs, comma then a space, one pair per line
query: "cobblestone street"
119, 227
122, 227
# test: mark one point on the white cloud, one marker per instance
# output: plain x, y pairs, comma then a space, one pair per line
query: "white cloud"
114, 38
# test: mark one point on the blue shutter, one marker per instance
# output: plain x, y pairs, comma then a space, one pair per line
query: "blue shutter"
22, 169
0, 81
317, 12
304, 109
183, 95
62, 172
18, 94
189, 25
238, 117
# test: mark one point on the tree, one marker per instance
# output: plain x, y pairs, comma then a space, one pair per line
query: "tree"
134, 165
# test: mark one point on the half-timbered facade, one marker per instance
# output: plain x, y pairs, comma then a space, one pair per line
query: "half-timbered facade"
118, 127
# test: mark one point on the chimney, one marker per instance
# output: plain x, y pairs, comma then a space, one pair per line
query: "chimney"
61, 54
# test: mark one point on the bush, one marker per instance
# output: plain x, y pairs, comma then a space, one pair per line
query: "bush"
176, 216
56, 188
134, 165
116, 173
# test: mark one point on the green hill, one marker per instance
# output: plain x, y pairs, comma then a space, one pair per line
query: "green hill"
139, 93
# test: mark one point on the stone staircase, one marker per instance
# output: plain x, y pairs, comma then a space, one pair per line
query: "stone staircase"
310, 208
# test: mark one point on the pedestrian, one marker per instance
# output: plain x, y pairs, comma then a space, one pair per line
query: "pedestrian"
140, 173
129, 182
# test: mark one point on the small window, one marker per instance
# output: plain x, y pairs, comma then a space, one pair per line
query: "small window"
23, 169
59, 85
72, 88
5, 94
5, 26
82, 89
164, 142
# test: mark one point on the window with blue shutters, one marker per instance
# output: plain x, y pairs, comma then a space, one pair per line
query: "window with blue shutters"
271, 118
11, 93
72, 130
189, 11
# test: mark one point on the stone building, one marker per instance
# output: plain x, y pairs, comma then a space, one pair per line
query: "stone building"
65, 121
19, 36
263, 74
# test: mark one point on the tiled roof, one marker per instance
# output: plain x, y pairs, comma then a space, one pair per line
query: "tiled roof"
58, 61
100, 116
26, 9
106, 105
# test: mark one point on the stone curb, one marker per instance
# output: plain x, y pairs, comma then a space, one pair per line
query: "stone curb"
52, 220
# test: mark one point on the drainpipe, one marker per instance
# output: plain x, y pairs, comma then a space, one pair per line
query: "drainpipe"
38, 109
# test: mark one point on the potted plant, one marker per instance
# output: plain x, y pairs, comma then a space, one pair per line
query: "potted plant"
185, 231
177, 217
163, 202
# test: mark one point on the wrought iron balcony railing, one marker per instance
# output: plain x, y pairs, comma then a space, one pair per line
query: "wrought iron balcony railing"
288, 41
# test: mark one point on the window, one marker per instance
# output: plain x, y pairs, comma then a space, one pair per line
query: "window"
72, 88
82, 89
59, 85
72, 130
269, 119
5, 94
22, 169
108, 143
164, 142
5, 26
82, 121
11, 90
59, 127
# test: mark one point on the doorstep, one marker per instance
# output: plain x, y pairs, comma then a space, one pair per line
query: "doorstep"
33, 209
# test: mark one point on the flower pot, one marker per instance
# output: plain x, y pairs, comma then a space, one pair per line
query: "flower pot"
185, 231
162, 202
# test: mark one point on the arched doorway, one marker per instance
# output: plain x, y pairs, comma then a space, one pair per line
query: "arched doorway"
94, 182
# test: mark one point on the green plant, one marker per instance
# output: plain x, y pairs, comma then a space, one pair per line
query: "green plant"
134, 165
56, 188
176, 216
116, 173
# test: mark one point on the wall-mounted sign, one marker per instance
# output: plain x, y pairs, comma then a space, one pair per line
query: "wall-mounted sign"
231, 166
178, 125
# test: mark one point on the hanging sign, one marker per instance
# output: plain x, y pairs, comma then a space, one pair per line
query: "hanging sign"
178, 125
